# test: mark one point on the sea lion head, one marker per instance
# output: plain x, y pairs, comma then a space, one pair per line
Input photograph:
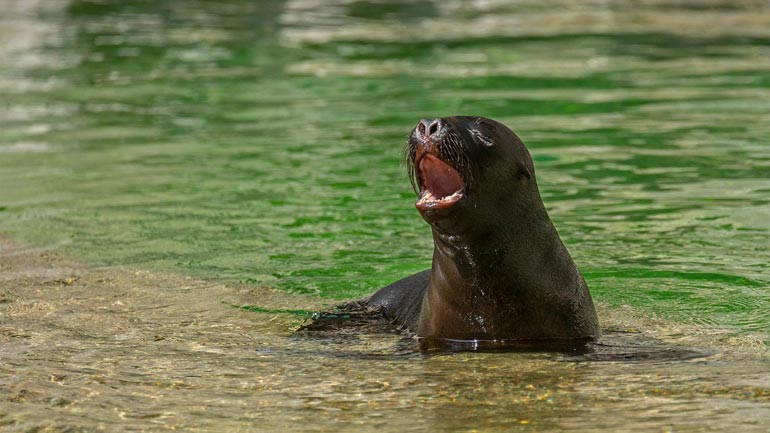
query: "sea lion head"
469, 173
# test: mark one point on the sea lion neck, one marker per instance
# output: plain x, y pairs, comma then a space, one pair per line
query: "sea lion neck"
510, 253
476, 281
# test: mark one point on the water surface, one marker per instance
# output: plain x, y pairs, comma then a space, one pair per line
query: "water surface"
258, 144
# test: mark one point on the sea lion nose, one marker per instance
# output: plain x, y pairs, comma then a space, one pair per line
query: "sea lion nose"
428, 128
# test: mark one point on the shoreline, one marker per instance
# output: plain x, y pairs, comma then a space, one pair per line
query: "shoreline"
38, 282
45, 296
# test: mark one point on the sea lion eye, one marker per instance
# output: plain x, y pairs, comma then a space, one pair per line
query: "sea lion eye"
481, 138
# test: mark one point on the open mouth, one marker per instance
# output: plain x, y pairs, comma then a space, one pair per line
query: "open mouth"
441, 185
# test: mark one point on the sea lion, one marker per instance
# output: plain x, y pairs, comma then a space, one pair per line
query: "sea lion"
500, 271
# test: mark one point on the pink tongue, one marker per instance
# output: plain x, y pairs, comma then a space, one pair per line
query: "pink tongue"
438, 177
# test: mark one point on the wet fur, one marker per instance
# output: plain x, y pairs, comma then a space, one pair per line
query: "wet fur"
500, 270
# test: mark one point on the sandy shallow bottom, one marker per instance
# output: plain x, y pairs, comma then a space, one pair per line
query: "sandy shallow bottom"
112, 349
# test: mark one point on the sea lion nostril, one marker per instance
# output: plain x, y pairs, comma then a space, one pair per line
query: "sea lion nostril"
421, 128
428, 128
434, 127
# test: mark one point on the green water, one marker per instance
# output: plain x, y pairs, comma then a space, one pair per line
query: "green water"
260, 142
195, 156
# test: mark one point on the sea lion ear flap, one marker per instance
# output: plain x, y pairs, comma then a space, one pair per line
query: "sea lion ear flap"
523, 171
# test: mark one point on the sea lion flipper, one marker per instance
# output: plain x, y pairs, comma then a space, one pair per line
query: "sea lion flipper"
401, 301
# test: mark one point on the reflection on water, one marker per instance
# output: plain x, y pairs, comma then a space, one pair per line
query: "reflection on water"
259, 143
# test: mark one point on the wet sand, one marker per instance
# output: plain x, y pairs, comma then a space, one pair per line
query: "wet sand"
71, 335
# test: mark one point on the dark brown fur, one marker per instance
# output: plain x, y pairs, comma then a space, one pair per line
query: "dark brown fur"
500, 270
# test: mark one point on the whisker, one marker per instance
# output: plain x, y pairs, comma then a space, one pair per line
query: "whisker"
408, 153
